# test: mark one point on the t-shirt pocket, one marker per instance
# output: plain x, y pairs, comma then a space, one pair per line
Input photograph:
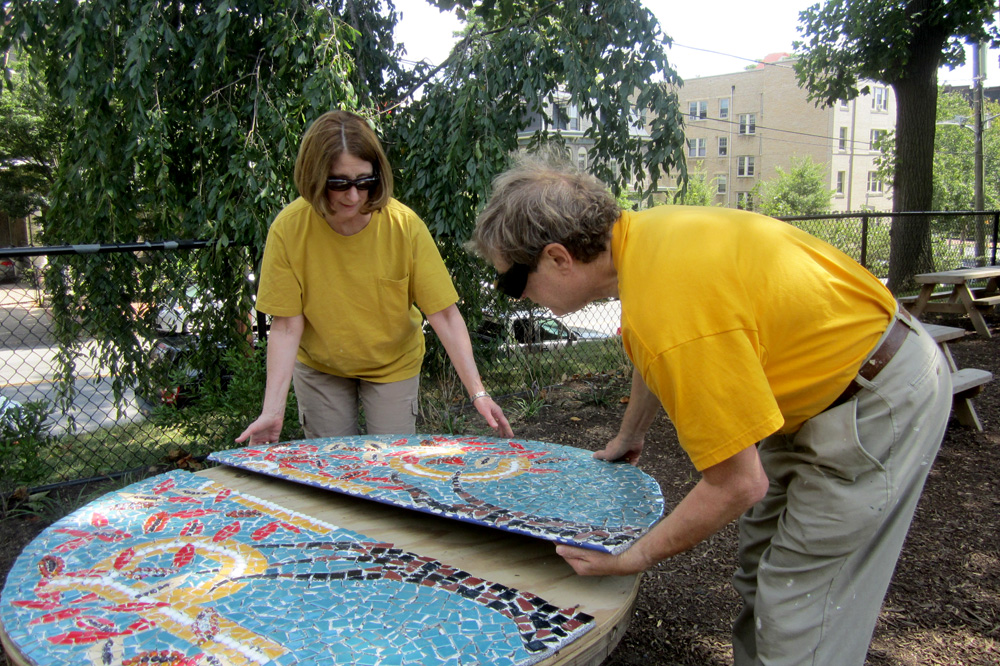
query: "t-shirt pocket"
394, 296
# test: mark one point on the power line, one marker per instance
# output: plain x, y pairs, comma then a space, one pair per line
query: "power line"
776, 129
730, 55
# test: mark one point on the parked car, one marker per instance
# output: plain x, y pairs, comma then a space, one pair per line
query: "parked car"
173, 350
8, 270
8, 411
533, 332
176, 379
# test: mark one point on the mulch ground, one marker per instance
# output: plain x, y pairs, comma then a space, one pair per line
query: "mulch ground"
943, 606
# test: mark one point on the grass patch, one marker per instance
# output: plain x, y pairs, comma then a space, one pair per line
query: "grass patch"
110, 450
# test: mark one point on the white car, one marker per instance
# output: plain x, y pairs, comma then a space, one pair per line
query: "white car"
7, 409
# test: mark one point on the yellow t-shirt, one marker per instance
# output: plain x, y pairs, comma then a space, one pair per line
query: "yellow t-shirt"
741, 325
357, 292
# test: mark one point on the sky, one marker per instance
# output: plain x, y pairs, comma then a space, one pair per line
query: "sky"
720, 40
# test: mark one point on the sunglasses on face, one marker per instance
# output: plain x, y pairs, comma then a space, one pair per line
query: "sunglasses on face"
343, 184
513, 281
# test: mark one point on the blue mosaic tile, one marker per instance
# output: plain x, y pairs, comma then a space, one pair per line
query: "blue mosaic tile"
181, 570
549, 491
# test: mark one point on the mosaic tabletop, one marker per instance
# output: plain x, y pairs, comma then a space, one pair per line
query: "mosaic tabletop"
179, 570
554, 492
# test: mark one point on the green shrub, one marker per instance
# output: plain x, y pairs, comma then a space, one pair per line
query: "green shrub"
24, 441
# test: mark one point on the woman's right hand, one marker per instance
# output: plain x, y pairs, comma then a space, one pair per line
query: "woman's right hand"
265, 430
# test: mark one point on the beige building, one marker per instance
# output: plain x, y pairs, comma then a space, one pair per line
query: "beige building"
741, 127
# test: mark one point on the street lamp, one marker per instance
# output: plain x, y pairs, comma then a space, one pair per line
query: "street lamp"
979, 202
977, 129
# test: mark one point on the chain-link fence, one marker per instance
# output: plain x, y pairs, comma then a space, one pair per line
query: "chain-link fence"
103, 349
84, 395
959, 239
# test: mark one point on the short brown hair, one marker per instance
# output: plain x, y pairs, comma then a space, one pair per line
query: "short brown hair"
328, 137
540, 202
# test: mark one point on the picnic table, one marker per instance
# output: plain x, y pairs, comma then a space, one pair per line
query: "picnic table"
966, 383
957, 296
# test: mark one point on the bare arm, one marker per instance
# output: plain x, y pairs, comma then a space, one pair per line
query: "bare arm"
643, 406
282, 347
724, 492
451, 329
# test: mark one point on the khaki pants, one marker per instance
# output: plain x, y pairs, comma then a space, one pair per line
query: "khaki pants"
817, 553
328, 405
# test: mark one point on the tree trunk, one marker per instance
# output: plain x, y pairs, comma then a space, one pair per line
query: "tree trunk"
912, 183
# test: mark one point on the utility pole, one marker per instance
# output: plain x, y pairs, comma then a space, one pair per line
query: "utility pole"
977, 116
977, 122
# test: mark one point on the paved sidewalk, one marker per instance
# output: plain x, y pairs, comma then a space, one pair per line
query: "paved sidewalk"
28, 366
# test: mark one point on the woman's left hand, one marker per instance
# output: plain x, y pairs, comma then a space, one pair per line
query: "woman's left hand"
494, 416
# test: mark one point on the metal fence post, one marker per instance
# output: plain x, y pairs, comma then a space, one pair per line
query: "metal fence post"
864, 241
996, 237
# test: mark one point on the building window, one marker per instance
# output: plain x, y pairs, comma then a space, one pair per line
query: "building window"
637, 118
724, 108
721, 182
748, 123
581, 159
841, 177
560, 119
536, 121
842, 140
697, 147
874, 183
877, 135
574, 117
723, 145
745, 165
744, 200
697, 110
844, 104
880, 99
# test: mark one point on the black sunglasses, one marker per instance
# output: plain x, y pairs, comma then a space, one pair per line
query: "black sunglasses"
363, 184
513, 281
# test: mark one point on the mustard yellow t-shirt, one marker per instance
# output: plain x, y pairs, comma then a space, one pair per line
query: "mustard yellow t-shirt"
357, 292
740, 324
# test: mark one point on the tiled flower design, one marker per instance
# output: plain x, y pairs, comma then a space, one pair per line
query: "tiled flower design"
178, 570
554, 492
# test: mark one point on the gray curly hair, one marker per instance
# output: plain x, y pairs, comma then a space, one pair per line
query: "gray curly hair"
538, 202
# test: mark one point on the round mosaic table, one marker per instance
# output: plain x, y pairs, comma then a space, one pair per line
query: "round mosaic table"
509, 559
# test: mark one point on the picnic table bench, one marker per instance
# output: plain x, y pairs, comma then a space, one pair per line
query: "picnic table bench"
966, 383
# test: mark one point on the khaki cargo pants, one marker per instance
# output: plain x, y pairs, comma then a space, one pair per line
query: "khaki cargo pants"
816, 554
328, 405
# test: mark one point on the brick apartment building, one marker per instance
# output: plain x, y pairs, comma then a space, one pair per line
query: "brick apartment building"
740, 127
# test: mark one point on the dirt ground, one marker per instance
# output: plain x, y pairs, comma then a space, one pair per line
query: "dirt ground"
943, 606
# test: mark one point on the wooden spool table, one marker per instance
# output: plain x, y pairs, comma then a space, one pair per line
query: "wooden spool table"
516, 561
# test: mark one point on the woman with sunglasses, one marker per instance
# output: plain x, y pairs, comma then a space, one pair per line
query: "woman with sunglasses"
345, 269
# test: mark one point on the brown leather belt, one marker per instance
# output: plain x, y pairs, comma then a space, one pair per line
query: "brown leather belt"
880, 357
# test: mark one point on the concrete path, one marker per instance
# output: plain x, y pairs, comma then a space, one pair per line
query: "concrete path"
29, 367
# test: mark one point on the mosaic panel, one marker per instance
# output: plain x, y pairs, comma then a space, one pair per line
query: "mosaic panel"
554, 492
182, 571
